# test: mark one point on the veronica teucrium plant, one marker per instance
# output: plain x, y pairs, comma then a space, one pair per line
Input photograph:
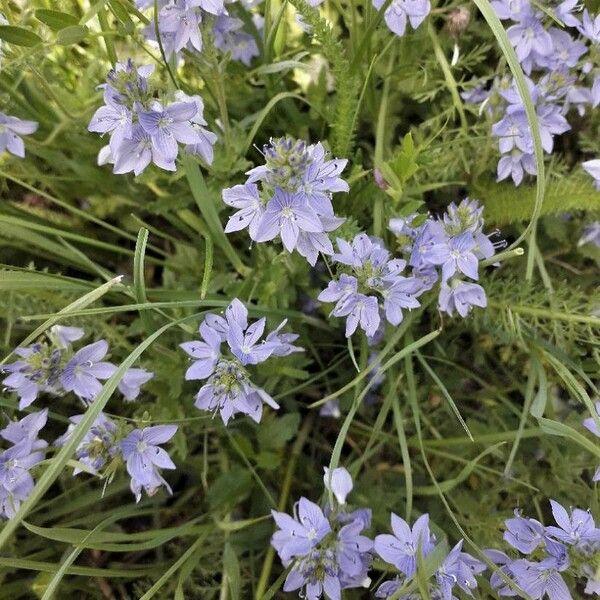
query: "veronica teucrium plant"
299, 299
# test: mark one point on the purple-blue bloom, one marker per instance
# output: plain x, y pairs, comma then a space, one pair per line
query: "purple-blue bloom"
401, 548
37, 371
401, 12
144, 456
132, 381
461, 296
83, 372
294, 199
229, 390
376, 287
523, 533
11, 130
325, 550
98, 446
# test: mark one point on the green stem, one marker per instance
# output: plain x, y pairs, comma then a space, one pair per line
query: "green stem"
209, 212
448, 76
283, 499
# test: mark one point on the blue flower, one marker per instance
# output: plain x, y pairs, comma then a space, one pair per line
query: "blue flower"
167, 126
461, 296
401, 548
11, 130
83, 372
401, 12
144, 456
229, 390
325, 549
98, 446
287, 215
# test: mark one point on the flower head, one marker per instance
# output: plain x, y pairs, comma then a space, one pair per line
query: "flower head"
11, 130
144, 457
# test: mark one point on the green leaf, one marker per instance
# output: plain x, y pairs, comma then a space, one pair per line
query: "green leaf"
231, 570
229, 488
506, 204
55, 19
19, 36
72, 35
275, 433
560, 429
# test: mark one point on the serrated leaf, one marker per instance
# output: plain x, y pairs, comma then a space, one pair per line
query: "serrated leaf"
274, 434
55, 19
72, 35
506, 204
19, 36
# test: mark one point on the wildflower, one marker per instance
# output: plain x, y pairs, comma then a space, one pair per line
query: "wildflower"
228, 37
98, 446
144, 456
83, 372
15, 463
113, 118
11, 130
401, 548
27, 428
64, 336
206, 353
325, 550
299, 534
376, 278
38, 370
577, 528
512, 9
590, 27
515, 165
132, 381
167, 126
530, 40
294, 200
339, 482
458, 569
524, 534
331, 408
540, 578
141, 130
401, 12
286, 215
206, 139
455, 254
250, 208
593, 168
461, 296
229, 390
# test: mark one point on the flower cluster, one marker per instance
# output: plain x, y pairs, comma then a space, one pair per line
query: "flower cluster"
402, 548
180, 23
26, 451
294, 202
228, 389
327, 552
401, 12
370, 285
573, 547
144, 130
562, 78
324, 549
50, 366
374, 285
11, 130
106, 445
